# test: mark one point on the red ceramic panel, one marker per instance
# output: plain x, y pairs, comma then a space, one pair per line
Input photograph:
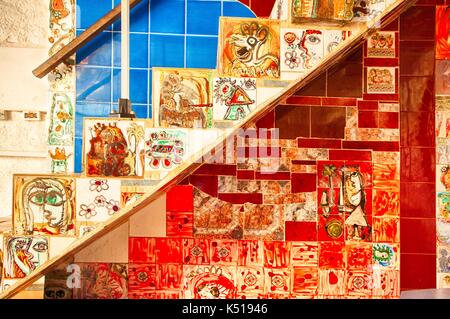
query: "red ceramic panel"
180, 199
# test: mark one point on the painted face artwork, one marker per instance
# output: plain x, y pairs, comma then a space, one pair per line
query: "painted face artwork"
23, 255
249, 48
114, 148
209, 283
44, 205
301, 49
234, 98
61, 128
164, 148
182, 98
60, 160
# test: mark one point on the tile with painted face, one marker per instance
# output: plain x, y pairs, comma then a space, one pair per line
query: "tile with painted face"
23, 254
301, 50
386, 256
44, 205
209, 282
249, 48
114, 148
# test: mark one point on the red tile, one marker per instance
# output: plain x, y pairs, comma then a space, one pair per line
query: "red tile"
331, 255
169, 250
410, 135
417, 271
392, 62
179, 224
180, 199
418, 200
417, 93
367, 119
278, 176
241, 198
169, 276
374, 145
388, 120
301, 231
268, 121
303, 182
262, 8
411, 242
319, 143
216, 169
257, 152
350, 155
207, 184
299, 162
381, 97
245, 174
141, 250
418, 164
368, 105
328, 122
417, 57
418, 23
393, 26
338, 101
304, 100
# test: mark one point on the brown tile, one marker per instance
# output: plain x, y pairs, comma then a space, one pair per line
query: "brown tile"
293, 121
345, 80
411, 135
417, 93
328, 122
315, 88
418, 23
417, 58
418, 164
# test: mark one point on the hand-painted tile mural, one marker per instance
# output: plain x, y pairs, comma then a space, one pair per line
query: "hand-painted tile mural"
442, 140
312, 211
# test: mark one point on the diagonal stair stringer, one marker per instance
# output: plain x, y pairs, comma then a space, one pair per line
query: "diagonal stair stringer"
358, 37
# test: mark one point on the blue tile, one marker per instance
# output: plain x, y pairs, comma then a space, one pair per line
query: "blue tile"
167, 16
97, 52
88, 12
140, 110
236, 9
138, 86
196, 13
138, 18
93, 84
166, 50
89, 110
150, 111
201, 52
78, 155
138, 50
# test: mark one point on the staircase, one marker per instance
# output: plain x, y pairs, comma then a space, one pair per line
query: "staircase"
275, 80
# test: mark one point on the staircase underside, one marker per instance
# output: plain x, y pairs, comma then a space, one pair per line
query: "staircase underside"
360, 32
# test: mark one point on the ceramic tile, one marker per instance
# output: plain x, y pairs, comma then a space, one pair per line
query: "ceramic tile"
196, 251
277, 280
209, 282
381, 80
331, 282
263, 222
304, 254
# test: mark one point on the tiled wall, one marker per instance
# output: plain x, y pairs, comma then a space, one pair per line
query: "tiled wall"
442, 90
163, 33
417, 146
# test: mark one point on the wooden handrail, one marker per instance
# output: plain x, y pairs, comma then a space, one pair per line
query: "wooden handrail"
80, 41
185, 169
